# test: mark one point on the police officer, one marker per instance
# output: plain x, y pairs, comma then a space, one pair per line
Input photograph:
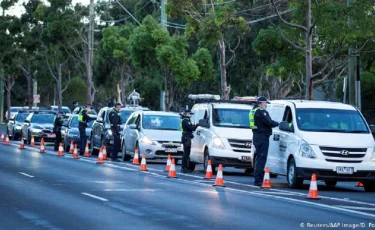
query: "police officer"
83, 119
261, 125
187, 134
115, 121
57, 129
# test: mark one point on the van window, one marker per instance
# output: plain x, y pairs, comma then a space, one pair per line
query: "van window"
277, 112
331, 120
232, 118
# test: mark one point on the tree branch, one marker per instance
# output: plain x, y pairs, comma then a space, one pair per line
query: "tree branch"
67, 84
232, 51
294, 45
302, 77
328, 74
49, 67
286, 22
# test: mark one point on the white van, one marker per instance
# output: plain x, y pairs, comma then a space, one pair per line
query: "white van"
330, 139
223, 135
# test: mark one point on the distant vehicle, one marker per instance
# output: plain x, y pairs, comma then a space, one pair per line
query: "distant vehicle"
72, 131
14, 127
13, 111
101, 134
39, 124
65, 110
154, 133
79, 108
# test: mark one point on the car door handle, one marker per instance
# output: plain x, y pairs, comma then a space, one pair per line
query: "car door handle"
276, 137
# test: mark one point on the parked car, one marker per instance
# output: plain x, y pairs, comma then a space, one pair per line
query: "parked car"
13, 111
101, 133
14, 127
64, 109
72, 131
79, 108
154, 133
39, 124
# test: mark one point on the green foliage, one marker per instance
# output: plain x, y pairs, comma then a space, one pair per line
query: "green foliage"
74, 91
203, 60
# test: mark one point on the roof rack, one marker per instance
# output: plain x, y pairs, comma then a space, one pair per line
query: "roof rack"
245, 98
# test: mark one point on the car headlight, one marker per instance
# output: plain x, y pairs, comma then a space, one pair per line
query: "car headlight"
147, 140
306, 151
37, 130
18, 127
373, 154
218, 143
110, 132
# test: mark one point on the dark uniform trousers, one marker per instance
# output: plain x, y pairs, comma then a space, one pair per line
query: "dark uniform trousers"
116, 142
186, 141
261, 143
83, 139
58, 138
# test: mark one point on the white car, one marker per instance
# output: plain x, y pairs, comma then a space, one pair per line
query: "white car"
153, 133
65, 110
329, 139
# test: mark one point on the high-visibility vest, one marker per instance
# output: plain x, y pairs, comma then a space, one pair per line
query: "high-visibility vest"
251, 118
80, 116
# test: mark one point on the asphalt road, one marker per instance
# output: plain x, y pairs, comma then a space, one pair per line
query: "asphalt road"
44, 191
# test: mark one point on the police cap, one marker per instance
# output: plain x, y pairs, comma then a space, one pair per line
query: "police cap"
117, 104
262, 99
188, 111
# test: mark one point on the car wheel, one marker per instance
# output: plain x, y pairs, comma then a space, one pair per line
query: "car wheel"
125, 157
292, 175
93, 151
14, 136
205, 162
273, 175
330, 183
249, 171
191, 165
369, 186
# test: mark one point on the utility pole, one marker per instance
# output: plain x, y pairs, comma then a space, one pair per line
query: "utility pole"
358, 83
90, 37
351, 71
2, 88
163, 95
35, 90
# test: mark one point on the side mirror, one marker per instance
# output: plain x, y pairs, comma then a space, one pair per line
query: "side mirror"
133, 126
203, 123
284, 126
100, 120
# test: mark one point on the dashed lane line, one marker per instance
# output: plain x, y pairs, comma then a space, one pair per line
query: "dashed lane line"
93, 196
25, 174
356, 208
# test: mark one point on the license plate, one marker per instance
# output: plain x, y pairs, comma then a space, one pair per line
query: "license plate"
246, 158
171, 150
344, 170
51, 135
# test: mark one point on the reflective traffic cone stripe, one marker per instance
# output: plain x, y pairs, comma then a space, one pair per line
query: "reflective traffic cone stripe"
60, 153
266, 179
42, 149
172, 171
209, 171
7, 140
313, 191
143, 166
2, 137
168, 166
359, 184
219, 177
100, 157
105, 153
75, 152
32, 143
87, 153
136, 158
71, 150
22, 145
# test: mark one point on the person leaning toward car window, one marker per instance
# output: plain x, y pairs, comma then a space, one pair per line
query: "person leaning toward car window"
261, 125
115, 121
83, 119
187, 134
57, 124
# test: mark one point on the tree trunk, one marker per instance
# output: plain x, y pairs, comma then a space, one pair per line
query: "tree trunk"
223, 70
59, 87
309, 87
8, 86
88, 81
166, 96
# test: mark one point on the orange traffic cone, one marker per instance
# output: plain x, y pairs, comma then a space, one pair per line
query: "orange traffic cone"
42, 149
87, 153
172, 170
105, 153
2, 137
75, 152
60, 153
143, 166
7, 140
22, 145
209, 171
313, 191
136, 158
100, 157
32, 142
219, 177
266, 179
168, 166
359, 184
71, 150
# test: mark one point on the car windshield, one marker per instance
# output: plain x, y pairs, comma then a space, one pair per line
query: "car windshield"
21, 117
75, 123
46, 118
125, 115
232, 118
64, 110
331, 120
161, 122
14, 109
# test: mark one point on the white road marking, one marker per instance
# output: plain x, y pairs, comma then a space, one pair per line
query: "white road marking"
131, 190
356, 208
277, 193
93, 196
25, 174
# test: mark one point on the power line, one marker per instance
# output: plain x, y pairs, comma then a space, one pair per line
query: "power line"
128, 12
177, 27
220, 3
123, 19
271, 16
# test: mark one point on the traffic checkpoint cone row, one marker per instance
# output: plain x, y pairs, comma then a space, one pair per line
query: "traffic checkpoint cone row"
87, 153
266, 179
168, 166
143, 166
209, 171
71, 149
22, 145
105, 157
219, 177
60, 153
313, 191
172, 171
32, 142
136, 158
2, 137
359, 184
75, 152
7, 140
100, 157
42, 149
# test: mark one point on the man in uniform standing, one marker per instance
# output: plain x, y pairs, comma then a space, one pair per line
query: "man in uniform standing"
83, 119
187, 134
115, 121
261, 125
57, 129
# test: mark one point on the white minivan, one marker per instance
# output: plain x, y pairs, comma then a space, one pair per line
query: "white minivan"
223, 135
329, 139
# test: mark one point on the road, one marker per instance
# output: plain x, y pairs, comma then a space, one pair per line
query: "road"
44, 191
